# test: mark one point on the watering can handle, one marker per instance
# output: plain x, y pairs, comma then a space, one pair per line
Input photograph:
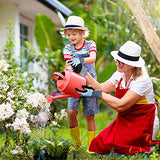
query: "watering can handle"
59, 74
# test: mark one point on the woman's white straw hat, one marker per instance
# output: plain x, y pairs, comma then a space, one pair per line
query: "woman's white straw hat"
129, 53
75, 22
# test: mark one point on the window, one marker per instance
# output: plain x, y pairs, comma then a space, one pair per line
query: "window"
24, 36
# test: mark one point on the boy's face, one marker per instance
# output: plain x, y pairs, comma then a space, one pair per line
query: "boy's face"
74, 35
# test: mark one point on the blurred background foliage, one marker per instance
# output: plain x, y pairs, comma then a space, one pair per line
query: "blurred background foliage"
110, 23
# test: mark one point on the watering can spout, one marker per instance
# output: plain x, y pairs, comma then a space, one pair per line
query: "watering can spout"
51, 98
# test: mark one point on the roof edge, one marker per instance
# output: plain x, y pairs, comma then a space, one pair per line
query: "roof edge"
56, 5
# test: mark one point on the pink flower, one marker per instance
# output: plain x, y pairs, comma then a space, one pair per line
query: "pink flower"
55, 94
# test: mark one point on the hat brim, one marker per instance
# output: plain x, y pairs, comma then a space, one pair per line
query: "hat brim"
80, 28
139, 63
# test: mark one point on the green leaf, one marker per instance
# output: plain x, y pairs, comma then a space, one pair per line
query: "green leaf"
107, 72
45, 34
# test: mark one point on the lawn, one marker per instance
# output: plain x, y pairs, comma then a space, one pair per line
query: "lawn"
102, 119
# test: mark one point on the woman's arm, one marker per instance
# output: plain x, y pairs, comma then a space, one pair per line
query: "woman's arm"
127, 101
106, 87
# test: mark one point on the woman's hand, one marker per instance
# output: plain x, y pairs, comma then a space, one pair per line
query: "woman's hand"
106, 87
89, 92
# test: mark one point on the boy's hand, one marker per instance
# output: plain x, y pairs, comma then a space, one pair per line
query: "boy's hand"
77, 67
89, 92
76, 61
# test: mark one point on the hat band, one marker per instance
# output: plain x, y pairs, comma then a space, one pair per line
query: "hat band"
72, 26
130, 58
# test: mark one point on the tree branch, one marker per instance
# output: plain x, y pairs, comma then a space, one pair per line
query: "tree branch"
146, 26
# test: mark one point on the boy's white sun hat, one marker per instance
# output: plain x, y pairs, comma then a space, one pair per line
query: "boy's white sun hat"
75, 22
129, 53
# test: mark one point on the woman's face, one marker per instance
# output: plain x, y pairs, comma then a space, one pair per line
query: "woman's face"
122, 67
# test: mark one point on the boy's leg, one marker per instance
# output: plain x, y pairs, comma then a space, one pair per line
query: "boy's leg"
72, 117
90, 109
73, 105
75, 135
74, 127
91, 135
91, 128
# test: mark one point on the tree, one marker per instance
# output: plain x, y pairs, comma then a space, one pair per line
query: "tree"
146, 26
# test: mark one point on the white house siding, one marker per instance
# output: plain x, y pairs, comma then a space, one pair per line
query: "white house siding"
23, 12
34, 67
9, 12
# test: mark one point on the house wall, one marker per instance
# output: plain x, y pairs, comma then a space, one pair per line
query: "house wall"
34, 67
9, 12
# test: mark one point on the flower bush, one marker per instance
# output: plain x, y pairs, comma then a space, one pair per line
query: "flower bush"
23, 108
17, 103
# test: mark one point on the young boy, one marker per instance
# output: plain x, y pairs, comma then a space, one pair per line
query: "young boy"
85, 51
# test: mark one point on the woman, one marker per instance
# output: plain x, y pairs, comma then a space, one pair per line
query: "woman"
137, 125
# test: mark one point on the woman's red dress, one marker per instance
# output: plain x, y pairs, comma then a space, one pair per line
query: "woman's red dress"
130, 132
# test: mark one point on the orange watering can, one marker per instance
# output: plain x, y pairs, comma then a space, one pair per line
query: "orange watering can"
67, 81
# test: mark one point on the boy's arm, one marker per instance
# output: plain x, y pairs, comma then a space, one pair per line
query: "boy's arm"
88, 60
91, 58
68, 66
92, 53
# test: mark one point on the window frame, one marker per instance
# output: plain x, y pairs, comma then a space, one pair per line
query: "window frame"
29, 24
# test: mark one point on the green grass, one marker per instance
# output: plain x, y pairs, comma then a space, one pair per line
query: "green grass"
102, 119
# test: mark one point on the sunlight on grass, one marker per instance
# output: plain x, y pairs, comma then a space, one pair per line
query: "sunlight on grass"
102, 119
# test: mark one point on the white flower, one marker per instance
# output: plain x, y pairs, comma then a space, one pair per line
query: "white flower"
17, 150
21, 125
54, 123
14, 151
63, 113
33, 118
6, 111
25, 130
8, 125
4, 65
4, 86
36, 99
22, 113
11, 94
17, 124
9, 100
55, 115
